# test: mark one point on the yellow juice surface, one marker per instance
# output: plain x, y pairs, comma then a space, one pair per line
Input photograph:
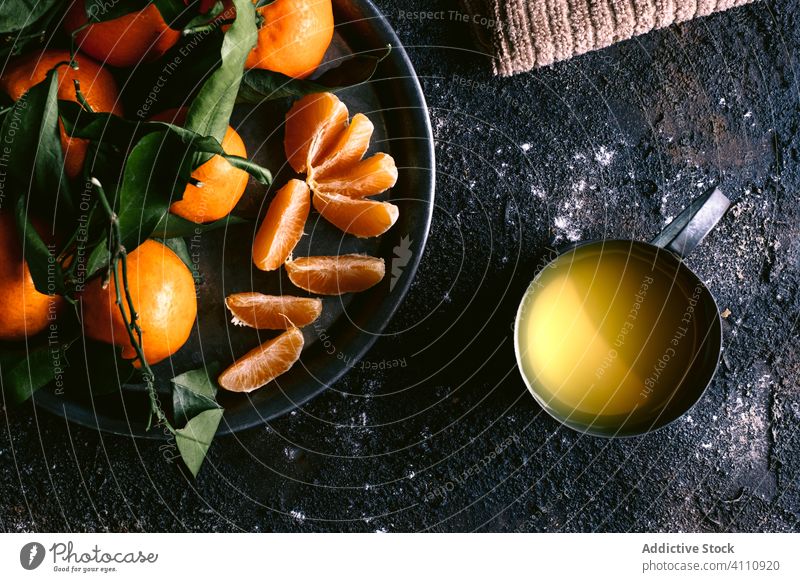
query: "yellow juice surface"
606, 333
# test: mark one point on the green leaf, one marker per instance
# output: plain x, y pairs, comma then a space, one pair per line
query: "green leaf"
46, 272
260, 85
193, 392
22, 373
211, 108
195, 438
261, 174
34, 157
148, 186
172, 226
26, 25
116, 132
17, 15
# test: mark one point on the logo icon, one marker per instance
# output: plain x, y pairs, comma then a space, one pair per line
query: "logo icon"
402, 255
31, 555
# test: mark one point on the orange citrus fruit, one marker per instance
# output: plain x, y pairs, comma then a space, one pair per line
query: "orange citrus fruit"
336, 275
320, 142
348, 148
220, 184
312, 125
272, 311
365, 178
164, 297
282, 227
25, 312
125, 41
362, 218
293, 37
97, 86
263, 364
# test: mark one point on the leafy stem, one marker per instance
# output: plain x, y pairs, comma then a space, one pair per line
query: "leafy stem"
118, 271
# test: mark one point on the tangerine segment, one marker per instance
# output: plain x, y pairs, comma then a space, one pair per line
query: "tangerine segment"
282, 227
349, 147
336, 275
362, 218
273, 311
366, 178
312, 124
263, 364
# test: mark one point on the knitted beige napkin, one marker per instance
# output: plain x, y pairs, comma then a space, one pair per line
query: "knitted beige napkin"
524, 34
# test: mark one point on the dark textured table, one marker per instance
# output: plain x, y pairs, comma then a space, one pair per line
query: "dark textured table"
435, 431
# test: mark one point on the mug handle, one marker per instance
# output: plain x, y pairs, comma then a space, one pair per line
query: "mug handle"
683, 234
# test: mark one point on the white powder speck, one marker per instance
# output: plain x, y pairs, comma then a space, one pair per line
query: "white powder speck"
538, 192
604, 156
567, 229
298, 515
525, 147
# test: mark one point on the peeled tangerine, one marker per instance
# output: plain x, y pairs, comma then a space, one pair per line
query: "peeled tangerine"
282, 227
321, 143
336, 275
263, 364
273, 311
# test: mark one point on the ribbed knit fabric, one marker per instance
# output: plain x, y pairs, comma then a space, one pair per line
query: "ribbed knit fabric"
525, 34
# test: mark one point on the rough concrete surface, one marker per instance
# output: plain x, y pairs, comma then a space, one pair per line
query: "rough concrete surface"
612, 143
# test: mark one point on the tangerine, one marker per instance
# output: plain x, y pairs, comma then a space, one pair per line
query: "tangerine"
264, 363
293, 37
26, 311
124, 41
272, 311
97, 86
219, 184
336, 275
163, 294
